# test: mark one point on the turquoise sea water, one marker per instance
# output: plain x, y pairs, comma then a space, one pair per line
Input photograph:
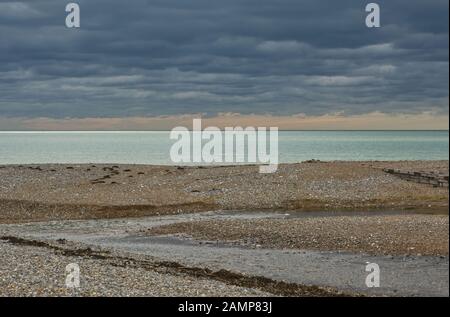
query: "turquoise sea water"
153, 147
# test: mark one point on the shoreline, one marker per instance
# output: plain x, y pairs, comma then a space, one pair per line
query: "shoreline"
219, 165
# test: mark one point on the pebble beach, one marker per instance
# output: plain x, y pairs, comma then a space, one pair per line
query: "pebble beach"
352, 207
55, 192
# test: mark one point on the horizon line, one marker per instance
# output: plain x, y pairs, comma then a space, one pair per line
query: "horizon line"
281, 130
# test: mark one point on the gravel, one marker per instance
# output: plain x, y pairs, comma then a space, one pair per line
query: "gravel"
387, 234
35, 271
55, 192
106, 249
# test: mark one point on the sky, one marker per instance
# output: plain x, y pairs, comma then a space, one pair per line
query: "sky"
155, 64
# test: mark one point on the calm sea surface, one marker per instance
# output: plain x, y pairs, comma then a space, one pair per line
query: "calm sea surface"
153, 147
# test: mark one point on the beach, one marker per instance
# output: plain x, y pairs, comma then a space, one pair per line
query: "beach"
257, 149
90, 191
223, 230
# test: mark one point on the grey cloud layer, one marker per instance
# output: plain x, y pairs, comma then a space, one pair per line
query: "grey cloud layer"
164, 57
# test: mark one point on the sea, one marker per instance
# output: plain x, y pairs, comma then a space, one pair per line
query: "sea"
153, 147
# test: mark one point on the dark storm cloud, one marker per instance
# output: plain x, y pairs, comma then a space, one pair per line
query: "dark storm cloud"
161, 57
